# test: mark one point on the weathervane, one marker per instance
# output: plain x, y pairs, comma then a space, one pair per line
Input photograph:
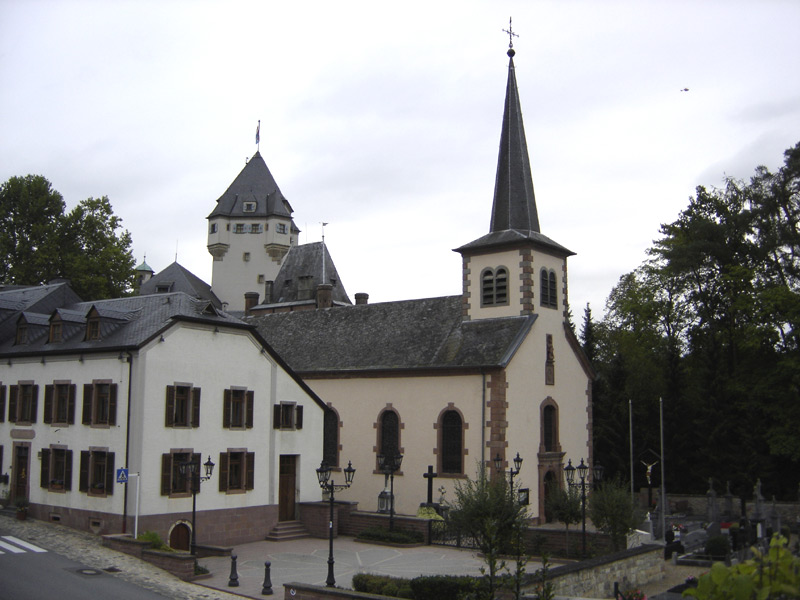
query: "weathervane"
511, 34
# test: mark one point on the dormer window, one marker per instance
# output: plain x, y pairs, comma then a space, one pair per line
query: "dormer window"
494, 287
22, 333
93, 329
56, 330
249, 207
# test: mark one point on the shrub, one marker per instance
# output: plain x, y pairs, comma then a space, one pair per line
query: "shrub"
398, 536
438, 587
718, 547
383, 585
156, 543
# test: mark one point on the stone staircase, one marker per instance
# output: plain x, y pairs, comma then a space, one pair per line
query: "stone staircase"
287, 530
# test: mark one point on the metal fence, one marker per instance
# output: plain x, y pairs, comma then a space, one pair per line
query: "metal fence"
445, 533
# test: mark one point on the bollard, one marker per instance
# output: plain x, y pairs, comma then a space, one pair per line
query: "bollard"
267, 589
233, 580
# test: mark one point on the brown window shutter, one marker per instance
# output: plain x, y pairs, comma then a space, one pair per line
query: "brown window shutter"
276, 416
83, 477
12, 404
169, 416
68, 471
250, 401
34, 402
110, 473
48, 404
298, 417
195, 407
166, 474
71, 405
112, 404
250, 460
2, 405
226, 409
44, 480
88, 395
223, 471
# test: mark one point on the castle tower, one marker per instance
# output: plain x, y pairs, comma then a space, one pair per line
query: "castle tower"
249, 232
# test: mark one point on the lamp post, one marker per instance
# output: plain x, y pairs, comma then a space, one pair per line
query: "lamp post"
192, 469
327, 485
498, 466
389, 464
583, 471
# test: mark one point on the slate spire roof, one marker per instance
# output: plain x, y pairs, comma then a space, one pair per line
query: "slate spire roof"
254, 183
305, 267
515, 218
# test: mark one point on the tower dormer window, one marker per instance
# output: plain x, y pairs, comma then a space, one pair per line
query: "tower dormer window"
249, 207
22, 333
494, 287
549, 284
93, 329
238, 228
280, 228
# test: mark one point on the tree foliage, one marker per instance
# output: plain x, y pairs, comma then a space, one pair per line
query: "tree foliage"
565, 506
612, 510
709, 325
40, 242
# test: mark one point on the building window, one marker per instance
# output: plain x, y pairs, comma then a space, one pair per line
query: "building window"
249, 207
59, 404
238, 228
451, 448
182, 406
549, 416
56, 469
255, 228
280, 228
22, 333
548, 284
287, 415
93, 329
389, 434
330, 437
236, 471
237, 409
246, 257
56, 332
494, 287
212, 228
260, 278
22, 403
173, 484
100, 403
97, 472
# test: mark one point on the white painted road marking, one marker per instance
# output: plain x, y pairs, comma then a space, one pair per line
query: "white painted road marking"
19, 542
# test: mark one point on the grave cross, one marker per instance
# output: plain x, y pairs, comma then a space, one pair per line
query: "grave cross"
429, 476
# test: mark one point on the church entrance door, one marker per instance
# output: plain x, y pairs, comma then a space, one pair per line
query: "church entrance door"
287, 485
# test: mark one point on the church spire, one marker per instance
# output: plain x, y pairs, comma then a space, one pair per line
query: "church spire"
514, 205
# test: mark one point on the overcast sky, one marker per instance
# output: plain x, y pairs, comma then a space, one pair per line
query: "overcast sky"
383, 119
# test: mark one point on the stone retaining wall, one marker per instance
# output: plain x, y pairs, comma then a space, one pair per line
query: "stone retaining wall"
348, 520
180, 564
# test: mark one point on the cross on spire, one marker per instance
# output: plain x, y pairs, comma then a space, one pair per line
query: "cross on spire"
511, 34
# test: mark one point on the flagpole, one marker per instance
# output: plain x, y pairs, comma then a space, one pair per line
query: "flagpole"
258, 136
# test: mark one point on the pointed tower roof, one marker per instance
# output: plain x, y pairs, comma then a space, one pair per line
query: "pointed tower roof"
312, 263
515, 218
256, 184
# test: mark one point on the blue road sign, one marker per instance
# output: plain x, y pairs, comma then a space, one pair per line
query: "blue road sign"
122, 475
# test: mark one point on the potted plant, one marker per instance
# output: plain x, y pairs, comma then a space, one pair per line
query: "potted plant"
22, 507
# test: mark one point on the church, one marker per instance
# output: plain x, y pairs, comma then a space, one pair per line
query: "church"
450, 383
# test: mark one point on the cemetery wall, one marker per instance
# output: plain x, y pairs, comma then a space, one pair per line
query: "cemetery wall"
696, 505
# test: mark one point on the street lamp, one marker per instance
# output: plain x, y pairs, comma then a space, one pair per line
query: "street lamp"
192, 469
324, 475
389, 464
583, 470
498, 466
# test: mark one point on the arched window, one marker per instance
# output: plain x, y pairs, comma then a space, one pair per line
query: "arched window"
389, 444
494, 287
452, 443
330, 438
548, 285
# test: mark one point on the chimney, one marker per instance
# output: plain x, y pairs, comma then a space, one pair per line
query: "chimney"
250, 300
324, 295
362, 298
268, 292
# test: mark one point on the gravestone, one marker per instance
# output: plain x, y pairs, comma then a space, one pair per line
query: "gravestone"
728, 501
712, 513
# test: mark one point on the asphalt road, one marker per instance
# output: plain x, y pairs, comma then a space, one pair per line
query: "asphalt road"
29, 572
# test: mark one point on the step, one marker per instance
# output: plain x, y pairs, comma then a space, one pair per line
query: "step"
287, 530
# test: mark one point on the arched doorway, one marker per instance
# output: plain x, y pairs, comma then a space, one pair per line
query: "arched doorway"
550, 486
179, 537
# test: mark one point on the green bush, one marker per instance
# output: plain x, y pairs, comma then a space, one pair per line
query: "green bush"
156, 543
718, 547
383, 585
398, 536
439, 587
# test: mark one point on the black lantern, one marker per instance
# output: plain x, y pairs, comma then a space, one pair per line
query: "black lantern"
191, 470
328, 485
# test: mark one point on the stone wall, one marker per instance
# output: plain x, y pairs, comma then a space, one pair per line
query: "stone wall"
180, 564
556, 542
696, 505
302, 591
347, 520
595, 577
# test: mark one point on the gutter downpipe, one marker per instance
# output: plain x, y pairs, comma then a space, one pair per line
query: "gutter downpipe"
128, 447
483, 423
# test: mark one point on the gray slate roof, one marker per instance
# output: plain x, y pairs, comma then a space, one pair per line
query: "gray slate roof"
256, 184
40, 299
180, 279
427, 334
302, 271
126, 323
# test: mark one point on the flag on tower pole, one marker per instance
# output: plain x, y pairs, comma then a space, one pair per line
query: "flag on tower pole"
258, 132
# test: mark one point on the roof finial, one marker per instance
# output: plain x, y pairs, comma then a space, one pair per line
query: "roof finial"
511, 36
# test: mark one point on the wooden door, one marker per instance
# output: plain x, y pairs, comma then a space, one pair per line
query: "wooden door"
287, 484
179, 537
21, 472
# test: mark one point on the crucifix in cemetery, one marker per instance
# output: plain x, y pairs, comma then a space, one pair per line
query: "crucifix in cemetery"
430, 475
